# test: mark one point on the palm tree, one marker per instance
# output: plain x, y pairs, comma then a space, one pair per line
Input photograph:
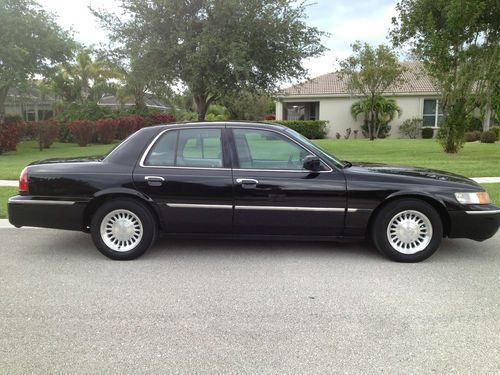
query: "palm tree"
385, 111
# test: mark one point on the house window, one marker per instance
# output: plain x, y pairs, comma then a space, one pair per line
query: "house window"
301, 111
29, 115
432, 113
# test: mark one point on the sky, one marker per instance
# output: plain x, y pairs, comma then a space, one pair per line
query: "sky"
345, 20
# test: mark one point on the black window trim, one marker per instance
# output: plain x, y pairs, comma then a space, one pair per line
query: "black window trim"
155, 140
233, 155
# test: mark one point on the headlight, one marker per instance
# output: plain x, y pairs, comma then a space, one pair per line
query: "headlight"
473, 198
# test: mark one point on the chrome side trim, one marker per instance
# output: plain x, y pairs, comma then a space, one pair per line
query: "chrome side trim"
489, 212
41, 201
195, 205
289, 208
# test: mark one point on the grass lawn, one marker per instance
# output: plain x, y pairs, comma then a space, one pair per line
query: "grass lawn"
473, 160
12, 163
5, 194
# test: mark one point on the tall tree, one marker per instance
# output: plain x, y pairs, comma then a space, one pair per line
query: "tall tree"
370, 72
458, 42
217, 46
87, 78
30, 43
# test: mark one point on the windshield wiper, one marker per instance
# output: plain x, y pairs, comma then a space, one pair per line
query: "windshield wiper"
347, 164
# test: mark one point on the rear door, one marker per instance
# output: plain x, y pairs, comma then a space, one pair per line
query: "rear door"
275, 195
187, 173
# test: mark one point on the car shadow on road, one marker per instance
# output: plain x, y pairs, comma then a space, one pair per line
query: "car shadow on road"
80, 245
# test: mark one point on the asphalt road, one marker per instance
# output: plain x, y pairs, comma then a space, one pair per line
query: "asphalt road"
192, 306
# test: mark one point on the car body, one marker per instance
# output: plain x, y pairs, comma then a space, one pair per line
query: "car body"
247, 180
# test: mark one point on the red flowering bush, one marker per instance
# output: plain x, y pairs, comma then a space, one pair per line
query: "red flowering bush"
46, 132
106, 130
157, 118
8, 136
128, 125
82, 131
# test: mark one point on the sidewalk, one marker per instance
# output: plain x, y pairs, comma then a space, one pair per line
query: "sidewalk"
481, 180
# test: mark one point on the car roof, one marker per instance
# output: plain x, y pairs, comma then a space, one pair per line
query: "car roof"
228, 124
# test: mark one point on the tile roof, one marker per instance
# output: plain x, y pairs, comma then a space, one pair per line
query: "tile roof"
415, 81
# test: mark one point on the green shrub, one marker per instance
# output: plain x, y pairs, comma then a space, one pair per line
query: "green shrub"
47, 132
488, 137
427, 133
496, 130
411, 128
472, 136
382, 133
312, 129
474, 123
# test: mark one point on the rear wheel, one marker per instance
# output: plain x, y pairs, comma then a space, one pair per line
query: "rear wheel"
407, 230
123, 229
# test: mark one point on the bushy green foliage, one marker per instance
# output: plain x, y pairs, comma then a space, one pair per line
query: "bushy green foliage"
472, 136
488, 137
411, 128
474, 123
46, 132
496, 130
427, 133
312, 129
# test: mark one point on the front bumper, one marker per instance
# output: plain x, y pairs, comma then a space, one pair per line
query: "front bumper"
27, 211
478, 222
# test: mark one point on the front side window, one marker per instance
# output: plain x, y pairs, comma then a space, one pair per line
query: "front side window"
432, 113
196, 148
262, 149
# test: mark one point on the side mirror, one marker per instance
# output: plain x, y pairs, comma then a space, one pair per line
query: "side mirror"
312, 163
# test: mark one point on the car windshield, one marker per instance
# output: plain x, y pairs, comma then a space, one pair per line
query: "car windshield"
317, 149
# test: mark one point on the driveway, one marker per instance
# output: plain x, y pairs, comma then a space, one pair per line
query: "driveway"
193, 306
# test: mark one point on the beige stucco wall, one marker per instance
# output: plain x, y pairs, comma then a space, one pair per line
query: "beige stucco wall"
336, 110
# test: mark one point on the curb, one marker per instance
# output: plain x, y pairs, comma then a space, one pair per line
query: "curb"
4, 224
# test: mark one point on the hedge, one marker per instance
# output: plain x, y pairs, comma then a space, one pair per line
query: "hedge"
312, 129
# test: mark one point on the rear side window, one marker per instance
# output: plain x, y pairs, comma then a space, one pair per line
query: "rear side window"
163, 152
197, 148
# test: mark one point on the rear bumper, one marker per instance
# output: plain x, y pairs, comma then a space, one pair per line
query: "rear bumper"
45, 213
479, 223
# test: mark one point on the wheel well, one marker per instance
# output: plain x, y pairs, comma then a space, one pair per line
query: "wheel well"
95, 203
443, 214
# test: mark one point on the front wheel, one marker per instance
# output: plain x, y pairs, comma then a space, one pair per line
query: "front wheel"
407, 230
123, 229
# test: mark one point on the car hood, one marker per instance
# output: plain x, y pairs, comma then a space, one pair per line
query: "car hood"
400, 170
85, 159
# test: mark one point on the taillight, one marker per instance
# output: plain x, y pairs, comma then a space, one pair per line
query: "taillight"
23, 182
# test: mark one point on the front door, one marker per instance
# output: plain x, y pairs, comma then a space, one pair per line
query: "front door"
187, 174
275, 195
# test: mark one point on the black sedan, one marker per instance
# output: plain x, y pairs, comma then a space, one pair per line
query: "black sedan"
247, 180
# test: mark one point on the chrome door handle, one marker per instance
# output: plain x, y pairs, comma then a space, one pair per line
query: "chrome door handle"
154, 178
247, 183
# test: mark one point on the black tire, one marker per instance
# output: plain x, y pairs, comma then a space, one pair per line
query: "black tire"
140, 214
423, 246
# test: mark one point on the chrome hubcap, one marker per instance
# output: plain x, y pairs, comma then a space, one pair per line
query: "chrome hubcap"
121, 230
409, 232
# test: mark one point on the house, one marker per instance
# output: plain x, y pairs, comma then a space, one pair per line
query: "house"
32, 103
150, 101
327, 98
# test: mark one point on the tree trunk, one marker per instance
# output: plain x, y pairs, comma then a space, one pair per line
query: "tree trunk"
139, 101
201, 106
487, 116
371, 125
3, 97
